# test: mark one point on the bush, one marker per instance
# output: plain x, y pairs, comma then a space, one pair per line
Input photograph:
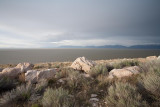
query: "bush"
77, 81
21, 94
153, 66
63, 73
35, 105
125, 63
40, 87
98, 69
150, 80
103, 82
7, 84
56, 98
124, 95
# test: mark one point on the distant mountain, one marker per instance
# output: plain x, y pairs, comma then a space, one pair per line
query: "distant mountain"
116, 47
145, 47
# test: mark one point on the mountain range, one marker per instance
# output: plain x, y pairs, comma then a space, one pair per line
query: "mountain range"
117, 46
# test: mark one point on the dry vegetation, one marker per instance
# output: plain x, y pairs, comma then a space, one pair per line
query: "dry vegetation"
71, 88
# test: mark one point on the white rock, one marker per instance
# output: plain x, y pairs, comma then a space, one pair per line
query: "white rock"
93, 95
34, 76
94, 99
25, 66
158, 58
128, 71
82, 63
10, 72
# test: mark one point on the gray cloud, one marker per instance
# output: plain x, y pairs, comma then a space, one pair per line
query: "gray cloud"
43, 22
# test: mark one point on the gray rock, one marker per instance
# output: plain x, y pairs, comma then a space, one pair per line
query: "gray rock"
35, 76
31, 76
10, 72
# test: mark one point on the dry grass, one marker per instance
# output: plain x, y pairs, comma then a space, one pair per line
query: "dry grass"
51, 65
125, 63
7, 65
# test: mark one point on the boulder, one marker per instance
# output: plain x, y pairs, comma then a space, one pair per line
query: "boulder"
151, 58
128, 71
31, 76
10, 72
82, 63
25, 66
46, 74
35, 76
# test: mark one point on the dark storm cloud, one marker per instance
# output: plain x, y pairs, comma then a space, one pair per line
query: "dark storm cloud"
117, 21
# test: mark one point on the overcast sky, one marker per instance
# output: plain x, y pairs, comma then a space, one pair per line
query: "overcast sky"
52, 23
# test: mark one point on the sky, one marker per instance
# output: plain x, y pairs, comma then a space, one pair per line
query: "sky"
54, 23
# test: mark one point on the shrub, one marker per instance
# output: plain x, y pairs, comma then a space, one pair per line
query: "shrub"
153, 66
56, 98
103, 81
76, 81
21, 94
63, 73
125, 63
98, 69
150, 80
35, 105
40, 87
7, 84
124, 95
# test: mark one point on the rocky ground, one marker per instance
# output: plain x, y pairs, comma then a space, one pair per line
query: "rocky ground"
82, 83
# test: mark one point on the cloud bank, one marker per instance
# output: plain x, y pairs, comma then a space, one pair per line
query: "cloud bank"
53, 23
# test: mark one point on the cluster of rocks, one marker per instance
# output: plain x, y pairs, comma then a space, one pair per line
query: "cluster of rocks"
94, 100
32, 76
81, 64
85, 65
15, 71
